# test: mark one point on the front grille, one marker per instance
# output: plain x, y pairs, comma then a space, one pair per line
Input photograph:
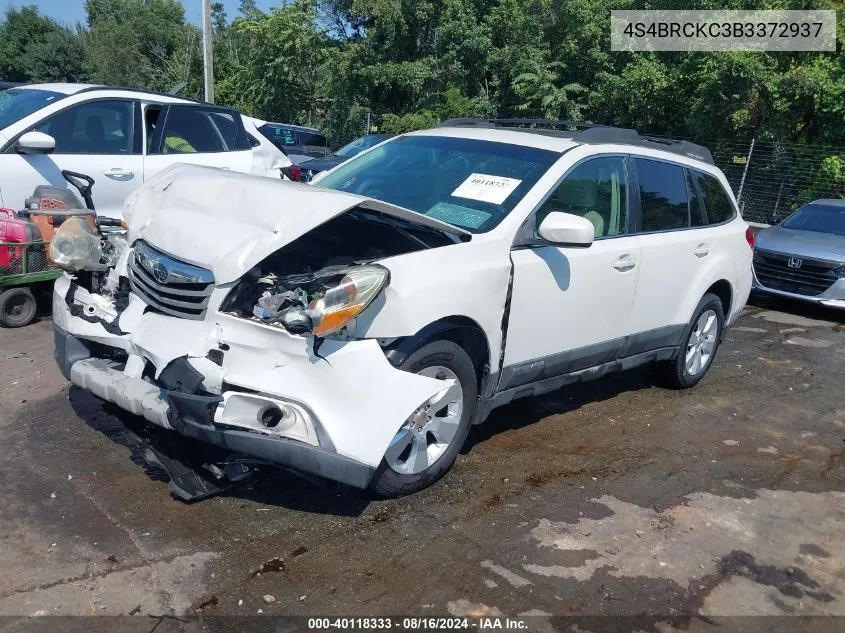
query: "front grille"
812, 278
167, 285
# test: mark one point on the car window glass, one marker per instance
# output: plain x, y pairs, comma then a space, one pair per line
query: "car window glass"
191, 129
151, 118
595, 190
695, 216
818, 217
468, 183
716, 201
98, 127
663, 195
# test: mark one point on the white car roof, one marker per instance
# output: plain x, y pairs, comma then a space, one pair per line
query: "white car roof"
66, 89
502, 135
561, 143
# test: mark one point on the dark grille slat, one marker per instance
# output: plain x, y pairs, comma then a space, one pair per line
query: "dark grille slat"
812, 278
183, 299
793, 276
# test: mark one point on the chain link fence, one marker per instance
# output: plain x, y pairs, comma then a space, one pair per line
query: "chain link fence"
771, 179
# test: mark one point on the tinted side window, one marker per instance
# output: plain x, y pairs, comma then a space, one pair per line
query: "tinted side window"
663, 195
98, 127
596, 190
191, 129
696, 216
717, 203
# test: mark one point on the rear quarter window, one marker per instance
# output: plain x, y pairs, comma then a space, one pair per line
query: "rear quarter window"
717, 202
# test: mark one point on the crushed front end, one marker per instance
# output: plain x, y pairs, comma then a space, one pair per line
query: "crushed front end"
260, 365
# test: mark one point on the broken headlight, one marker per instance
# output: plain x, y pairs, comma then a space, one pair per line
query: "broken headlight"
75, 247
321, 303
342, 303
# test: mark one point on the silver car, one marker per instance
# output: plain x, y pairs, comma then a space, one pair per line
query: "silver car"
804, 256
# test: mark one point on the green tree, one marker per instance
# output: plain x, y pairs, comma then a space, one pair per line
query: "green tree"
20, 30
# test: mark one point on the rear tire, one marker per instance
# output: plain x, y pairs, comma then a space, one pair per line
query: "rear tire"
423, 438
17, 307
699, 346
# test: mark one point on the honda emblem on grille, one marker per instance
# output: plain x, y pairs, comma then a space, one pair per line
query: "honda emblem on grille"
794, 262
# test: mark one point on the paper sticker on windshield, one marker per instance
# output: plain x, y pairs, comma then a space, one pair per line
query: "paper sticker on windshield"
486, 188
458, 215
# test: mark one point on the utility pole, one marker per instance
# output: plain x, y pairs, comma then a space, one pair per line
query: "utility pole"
207, 51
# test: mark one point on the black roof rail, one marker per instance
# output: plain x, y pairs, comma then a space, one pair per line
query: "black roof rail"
582, 132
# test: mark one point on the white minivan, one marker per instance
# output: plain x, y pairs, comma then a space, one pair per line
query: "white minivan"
356, 328
120, 138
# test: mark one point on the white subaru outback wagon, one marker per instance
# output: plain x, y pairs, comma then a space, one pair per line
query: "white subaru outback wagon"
355, 329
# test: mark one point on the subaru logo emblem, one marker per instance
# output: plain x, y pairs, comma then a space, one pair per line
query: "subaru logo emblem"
159, 272
794, 262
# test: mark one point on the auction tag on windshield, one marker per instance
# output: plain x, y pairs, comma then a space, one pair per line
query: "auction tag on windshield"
486, 188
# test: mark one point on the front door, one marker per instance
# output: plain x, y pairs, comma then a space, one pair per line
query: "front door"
570, 306
99, 138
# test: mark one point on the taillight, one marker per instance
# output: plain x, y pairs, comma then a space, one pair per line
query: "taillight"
749, 236
293, 173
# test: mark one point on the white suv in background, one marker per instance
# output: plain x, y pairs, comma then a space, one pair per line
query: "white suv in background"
120, 137
356, 328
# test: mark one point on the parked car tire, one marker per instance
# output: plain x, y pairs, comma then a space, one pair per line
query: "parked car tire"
17, 307
700, 343
425, 447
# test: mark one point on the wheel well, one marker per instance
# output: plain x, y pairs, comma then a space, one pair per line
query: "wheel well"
459, 329
722, 289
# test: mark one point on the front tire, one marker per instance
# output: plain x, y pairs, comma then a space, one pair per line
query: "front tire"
698, 349
17, 307
426, 445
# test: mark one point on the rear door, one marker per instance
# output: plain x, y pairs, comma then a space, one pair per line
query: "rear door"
195, 134
676, 250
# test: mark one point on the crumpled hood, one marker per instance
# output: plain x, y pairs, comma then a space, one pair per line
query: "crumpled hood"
228, 222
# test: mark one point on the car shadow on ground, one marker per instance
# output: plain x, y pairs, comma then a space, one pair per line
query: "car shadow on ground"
528, 411
270, 485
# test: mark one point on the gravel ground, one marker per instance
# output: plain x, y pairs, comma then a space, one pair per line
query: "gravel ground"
612, 498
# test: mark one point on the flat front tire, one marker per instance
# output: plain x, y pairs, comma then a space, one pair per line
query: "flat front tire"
698, 347
425, 446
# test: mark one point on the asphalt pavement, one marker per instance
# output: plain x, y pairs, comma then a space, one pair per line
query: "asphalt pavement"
612, 498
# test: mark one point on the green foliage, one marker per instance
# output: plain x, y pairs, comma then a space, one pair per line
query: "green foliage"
828, 180
406, 64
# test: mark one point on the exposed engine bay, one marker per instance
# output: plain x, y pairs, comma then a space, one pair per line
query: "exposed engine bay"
325, 278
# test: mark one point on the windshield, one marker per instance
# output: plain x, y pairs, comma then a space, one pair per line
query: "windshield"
467, 183
17, 103
820, 218
358, 145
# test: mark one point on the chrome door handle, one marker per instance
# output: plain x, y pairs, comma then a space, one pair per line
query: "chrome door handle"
624, 263
702, 250
117, 172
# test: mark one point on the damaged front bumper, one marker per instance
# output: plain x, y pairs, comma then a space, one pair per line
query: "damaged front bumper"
243, 386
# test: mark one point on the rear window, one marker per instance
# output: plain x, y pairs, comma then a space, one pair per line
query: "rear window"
664, 204
289, 137
467, 183
717, 203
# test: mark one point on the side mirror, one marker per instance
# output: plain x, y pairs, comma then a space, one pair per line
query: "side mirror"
35, 143
565, 229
